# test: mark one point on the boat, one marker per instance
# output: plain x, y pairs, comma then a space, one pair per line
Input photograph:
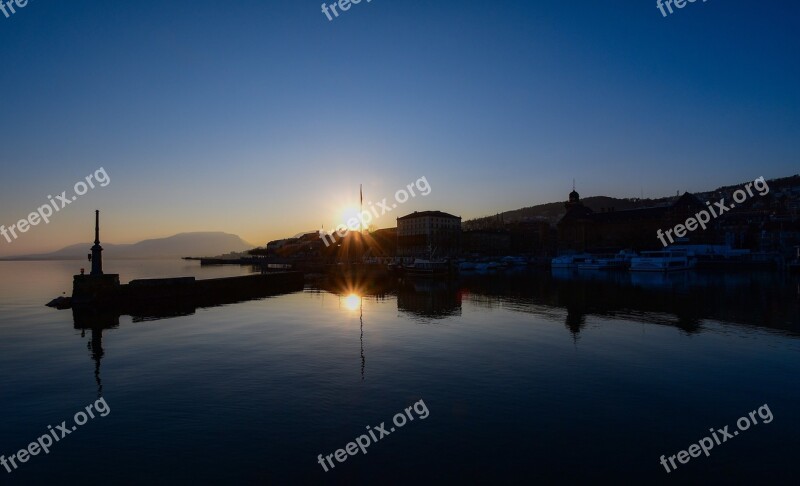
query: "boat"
488, 266
794, 266
620, 261
466, 266
570, 261
602, 264
427, 268
661, 261
514, 261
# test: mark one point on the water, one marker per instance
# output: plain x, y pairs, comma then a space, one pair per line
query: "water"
562, 378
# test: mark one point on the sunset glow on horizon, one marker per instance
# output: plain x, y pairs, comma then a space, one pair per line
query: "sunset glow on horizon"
199, 133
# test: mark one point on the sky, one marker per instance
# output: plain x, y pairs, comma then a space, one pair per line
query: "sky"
261, 117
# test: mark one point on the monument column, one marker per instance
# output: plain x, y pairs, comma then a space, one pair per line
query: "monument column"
97, 255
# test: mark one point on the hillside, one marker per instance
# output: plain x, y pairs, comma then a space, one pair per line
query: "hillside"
552, 212
176, 246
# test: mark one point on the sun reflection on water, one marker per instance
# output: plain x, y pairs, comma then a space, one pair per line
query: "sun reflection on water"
352, 302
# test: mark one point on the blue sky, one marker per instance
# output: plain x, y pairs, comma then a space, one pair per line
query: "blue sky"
261, 118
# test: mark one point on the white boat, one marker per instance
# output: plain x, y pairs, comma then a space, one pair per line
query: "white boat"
620, 261
661, 261
570, 261
466, 266
427, 268
710, 251
486, 266
602, 264
514, 261
795, 265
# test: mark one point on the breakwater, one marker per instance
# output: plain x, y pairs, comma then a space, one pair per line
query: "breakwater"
105, 290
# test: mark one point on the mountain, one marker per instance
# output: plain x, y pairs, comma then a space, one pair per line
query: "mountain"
177, 246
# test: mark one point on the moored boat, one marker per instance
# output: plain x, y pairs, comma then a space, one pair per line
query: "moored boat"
661, 261
794, 266
428, 268
570, 261
466, 266
620, 261
514, 261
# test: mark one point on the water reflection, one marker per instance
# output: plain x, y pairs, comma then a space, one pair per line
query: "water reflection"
352, 302
683, 300
429, 299
97, 320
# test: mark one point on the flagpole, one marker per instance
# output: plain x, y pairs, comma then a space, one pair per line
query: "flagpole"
361, 206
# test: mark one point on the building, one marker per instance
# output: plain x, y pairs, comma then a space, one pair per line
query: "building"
486, 242
419, 233
582, 229
531, 236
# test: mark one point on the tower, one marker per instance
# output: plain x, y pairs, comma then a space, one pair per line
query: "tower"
97, 287
97, 255
574, 198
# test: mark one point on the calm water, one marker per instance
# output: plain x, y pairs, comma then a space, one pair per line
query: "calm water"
561, 378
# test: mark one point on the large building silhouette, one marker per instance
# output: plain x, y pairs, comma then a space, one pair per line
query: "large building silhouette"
582, 229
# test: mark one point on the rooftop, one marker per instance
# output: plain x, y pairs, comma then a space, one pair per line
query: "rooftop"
424, 214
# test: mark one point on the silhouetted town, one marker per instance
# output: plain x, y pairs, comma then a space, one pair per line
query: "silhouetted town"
767, 226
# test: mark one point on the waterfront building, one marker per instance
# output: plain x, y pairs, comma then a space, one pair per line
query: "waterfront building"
420, 232
582, 229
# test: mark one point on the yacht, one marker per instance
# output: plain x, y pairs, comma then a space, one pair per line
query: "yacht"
514, 261
661, 261
620, 261
570, 261
486, 266
427, 268
599, 263
466, 266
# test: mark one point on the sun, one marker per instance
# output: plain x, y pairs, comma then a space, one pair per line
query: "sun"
352, 302
347, 214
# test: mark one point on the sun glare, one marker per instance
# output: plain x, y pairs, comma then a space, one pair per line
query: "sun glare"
352, 302
348, 213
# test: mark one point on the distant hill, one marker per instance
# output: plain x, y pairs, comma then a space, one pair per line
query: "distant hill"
552, 212
177, 246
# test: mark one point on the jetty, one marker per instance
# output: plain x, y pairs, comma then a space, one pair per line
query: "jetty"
99, 289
